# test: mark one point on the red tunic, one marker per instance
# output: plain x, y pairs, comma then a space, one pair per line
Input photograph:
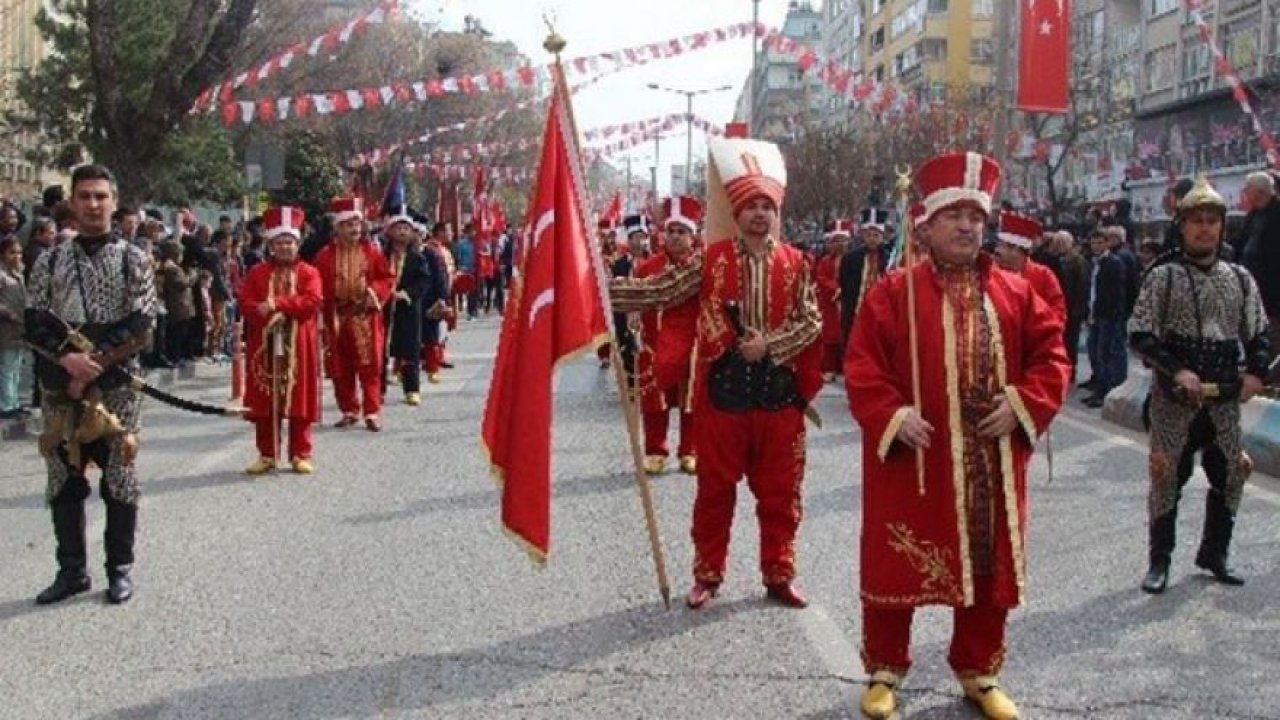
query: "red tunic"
664, 365
923, 550
1045, 284
826, 279
348, 273
295, 290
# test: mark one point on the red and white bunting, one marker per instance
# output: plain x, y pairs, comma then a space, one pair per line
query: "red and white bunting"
341, 102
881, 98
643, 136
327, 41
507, 174
1238, 90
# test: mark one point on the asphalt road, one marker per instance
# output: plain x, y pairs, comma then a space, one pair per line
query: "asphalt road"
383, 586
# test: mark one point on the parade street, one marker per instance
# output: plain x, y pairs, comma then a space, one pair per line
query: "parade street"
382, 586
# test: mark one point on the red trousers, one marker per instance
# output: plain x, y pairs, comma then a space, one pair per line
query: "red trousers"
977, 636
831, 359
299, 439
768, 447
432, 357
352, 383
655, 433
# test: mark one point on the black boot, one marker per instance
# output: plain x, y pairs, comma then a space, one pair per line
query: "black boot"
1219, 523
1162, 534
68, 530
122, 524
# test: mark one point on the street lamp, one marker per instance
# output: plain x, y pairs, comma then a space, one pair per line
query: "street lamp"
688, 117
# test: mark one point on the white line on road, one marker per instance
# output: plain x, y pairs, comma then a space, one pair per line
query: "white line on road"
837, 653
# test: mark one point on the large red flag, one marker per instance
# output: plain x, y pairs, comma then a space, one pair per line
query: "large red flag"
613, 211
1044, 56
558, 310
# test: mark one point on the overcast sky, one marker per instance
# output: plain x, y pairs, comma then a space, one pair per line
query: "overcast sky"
593, 26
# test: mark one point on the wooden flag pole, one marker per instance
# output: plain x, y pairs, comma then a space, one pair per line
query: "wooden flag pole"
555, 45
904, 187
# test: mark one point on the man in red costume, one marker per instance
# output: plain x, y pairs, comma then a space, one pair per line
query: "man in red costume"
357, 283
990, 349
826, 278
280, 299
1018, 235
664, 362
606, 235
756, 364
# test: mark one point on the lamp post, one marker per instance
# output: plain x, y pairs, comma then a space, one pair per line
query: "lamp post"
688, 117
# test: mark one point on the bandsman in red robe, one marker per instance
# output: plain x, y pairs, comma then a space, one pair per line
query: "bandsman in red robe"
440, 317
664, 362
280, 300
826, 278
606, 235
357, 283
991, 356
1018, 235
756, 364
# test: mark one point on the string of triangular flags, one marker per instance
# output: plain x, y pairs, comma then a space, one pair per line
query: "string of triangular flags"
1238, 90
328, 41
881, 97
639, 138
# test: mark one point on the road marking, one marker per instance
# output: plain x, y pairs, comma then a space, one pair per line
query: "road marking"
838, 654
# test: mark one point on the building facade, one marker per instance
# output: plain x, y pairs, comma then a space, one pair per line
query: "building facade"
21, 49
783, 100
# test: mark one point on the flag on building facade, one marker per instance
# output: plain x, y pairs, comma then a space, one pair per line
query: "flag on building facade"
1044, 56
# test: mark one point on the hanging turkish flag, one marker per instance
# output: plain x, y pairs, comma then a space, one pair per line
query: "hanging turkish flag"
1044, 56
558, 310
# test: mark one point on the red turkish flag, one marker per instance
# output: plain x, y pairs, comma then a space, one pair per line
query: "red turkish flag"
613, 211
1044, 56
557, 311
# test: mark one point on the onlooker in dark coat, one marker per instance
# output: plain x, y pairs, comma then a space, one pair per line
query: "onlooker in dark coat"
1074, 280
1108, 312
1259, 245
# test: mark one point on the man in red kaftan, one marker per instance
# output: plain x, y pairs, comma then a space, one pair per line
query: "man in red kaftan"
664, 363
993, 373
357, 283
281, 299
757, 321
826, 278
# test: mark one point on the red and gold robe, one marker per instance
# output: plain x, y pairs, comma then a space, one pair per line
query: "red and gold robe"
826, 281
664, 365
296, 292
981, 332
348, 272
1046, 285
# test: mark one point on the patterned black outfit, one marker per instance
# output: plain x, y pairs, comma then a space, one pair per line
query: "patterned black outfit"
105, 288
1210, 321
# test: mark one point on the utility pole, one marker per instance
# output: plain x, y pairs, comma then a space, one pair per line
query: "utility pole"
688, 119
755, 64
653, 169
1005, 23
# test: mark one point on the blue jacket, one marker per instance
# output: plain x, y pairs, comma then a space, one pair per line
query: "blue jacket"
465, 250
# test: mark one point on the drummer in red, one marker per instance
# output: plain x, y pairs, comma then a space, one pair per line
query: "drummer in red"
357, 283
664, 363
1018, 235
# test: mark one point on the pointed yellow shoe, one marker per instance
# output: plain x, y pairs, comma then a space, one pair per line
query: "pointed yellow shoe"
413, 399
261, 466
880, 699
433, 378
655, 464
985, 692
689, 465
303, 466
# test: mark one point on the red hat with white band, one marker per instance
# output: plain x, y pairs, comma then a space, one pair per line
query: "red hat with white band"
682, 210
283, 220
957, 178
346, 208
1019, 230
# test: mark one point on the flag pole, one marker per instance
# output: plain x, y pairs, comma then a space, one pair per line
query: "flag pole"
909, 263
555, 45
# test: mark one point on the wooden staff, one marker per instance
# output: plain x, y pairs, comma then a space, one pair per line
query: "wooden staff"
555, 45
904, 188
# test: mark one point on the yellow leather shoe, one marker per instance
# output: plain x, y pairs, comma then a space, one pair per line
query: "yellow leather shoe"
413, 399
689, 465
433, 378
655, 464
880, 699
261, 466
303, 466
984, 691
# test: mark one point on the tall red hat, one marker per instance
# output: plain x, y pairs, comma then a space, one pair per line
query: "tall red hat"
1019, 230
916, 212
956, 178
842, 226
345, 208
607, 225
682, 210
283, 220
